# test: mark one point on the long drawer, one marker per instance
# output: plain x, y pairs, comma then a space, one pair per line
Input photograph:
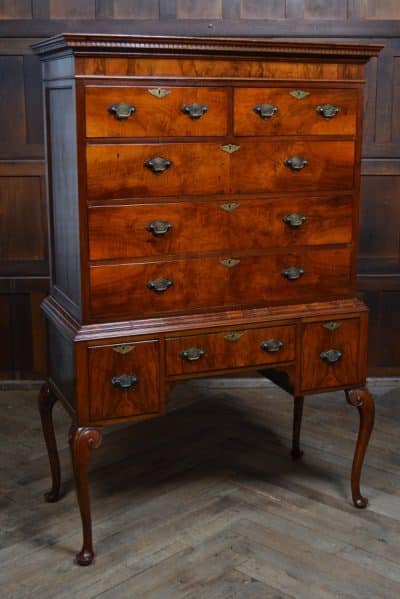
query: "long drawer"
129, 170
230, 349
130, 111
152, 288
286, 111
213, 225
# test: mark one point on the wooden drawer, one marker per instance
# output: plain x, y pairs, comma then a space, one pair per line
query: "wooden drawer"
111, 396
292, 116
230, 349
119, 171
155, 116
332, 355
204, 226
122, 290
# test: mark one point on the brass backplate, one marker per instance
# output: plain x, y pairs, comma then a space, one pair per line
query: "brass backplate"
123, 349
159, 92
299, 94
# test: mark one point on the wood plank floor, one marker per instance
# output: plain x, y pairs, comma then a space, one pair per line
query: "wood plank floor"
206, 502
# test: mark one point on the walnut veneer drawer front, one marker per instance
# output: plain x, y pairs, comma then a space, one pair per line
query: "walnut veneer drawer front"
214, 225
127, 170
124, 380
331, 356
151, 288
284, 111
230, 349
122, 111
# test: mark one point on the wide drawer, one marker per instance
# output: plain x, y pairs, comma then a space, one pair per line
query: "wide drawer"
202, 226
230, 349
129, 111
284, 111
331, 353
123, 380
154, 288
127, 170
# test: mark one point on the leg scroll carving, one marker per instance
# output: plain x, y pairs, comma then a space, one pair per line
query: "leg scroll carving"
297, 419
82, 440
46, 401
363, 401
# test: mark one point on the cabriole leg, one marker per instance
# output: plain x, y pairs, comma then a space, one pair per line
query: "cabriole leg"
47, 399
82, 440
297, 419
363, 401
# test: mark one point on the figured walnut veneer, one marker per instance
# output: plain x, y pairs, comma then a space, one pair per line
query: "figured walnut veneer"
204, 203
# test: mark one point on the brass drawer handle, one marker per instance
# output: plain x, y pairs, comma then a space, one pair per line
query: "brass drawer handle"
296, 163
192, 354
158, 165
159, 285
294, 220
265, 111
331, 355
292, 273
272, 345
121, 111
327, 111
125, 381
159, 227
194, 111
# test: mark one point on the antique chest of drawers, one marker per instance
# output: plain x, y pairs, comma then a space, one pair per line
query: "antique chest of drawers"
203, 197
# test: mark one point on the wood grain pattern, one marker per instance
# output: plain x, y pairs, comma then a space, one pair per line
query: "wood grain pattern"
205, 168
222, 353
317, 373
205, 226
154, 116
221, 68
294, 117
107, 401
120, 290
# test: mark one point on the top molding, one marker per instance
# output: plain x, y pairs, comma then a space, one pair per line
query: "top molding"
77, 43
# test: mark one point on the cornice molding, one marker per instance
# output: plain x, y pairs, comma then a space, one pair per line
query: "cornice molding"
171, 45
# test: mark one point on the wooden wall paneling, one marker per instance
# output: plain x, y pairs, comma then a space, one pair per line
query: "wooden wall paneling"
193, 9
71, 9
21, 134
380, 218
258, 9
15, 9
23, 219
6, 355
128, 9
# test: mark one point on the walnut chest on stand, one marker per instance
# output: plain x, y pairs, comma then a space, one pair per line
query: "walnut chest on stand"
203, 197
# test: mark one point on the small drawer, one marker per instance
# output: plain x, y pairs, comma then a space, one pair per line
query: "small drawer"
129, 111
285, 111
332, 355
174, 286
116, 171
123, 380
159, 229
230, 349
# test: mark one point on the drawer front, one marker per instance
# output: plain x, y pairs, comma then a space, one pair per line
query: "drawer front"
331, 354
120, 171
128, 111
124, 290
124, 380
203, 226
230, 349
275, 111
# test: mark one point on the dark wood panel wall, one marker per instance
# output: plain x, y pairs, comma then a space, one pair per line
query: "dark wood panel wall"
23, 223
